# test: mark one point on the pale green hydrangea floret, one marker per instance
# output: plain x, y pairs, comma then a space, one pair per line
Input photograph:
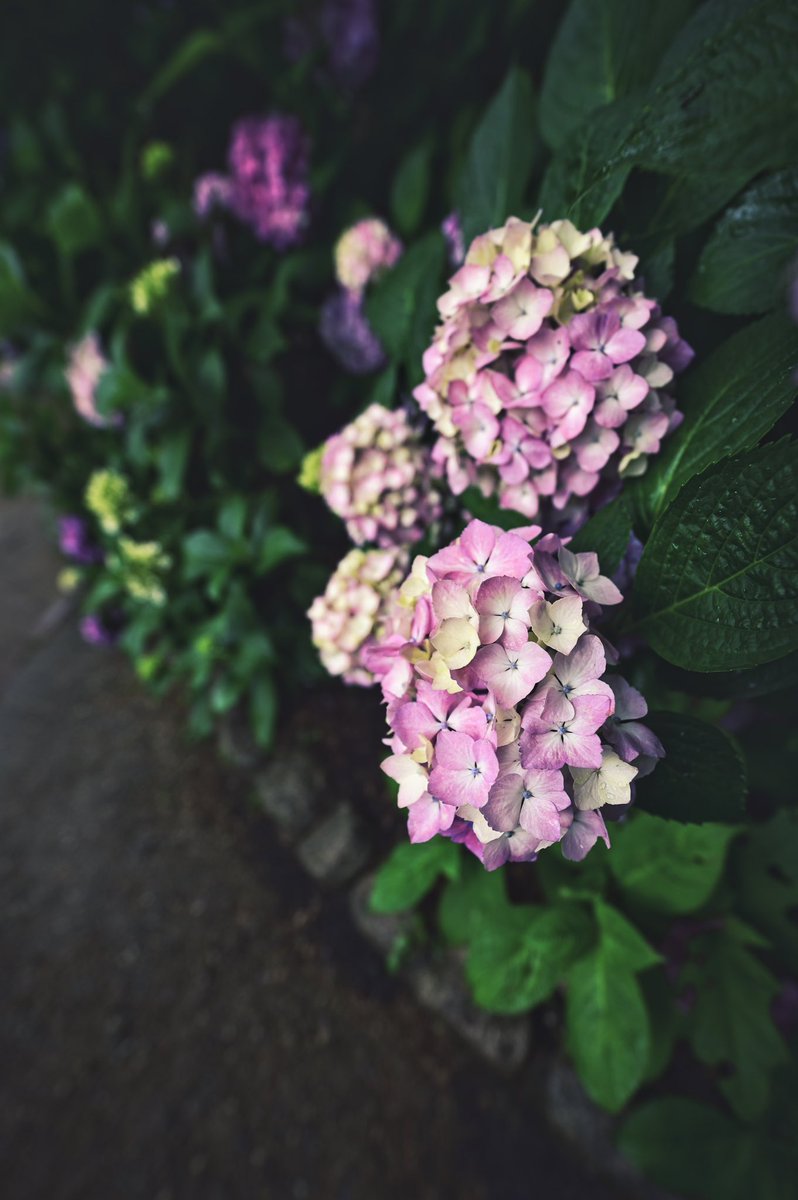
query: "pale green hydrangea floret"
141, 566
108, 498
152, 284
310, 472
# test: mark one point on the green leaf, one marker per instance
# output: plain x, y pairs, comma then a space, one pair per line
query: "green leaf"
731, 1025
717, 586
666, 866
713, 1151
600, 54
73, 220
768, 884
411, 871
702, 776
278, 545
401, 307
751, 249
17, 302
572, 186
622, 944
232, 517
516, 961
194, 50
476, 896
410, 188
607, 1029
263, 709
171, 458
724, 94
729, 401
384, 390
205, 551
499, 161
607, 534
224, 694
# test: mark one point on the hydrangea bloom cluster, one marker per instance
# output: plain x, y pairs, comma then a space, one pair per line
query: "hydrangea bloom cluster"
375, 475
75, 542
546, 376
267, 187
362, 253
95, 631
153, 284
109, 498
140, 567
452, 230
86, 366
506, 734
357, 608
349, 34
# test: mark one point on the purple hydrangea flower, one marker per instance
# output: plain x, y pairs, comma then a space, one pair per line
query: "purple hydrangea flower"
452, 230
267, 187
346, 333
349, 29
94, 631
74, 541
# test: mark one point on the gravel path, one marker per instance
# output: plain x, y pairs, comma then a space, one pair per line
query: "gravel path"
184, 1015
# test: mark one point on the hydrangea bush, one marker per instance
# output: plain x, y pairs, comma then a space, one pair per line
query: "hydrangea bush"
225, 246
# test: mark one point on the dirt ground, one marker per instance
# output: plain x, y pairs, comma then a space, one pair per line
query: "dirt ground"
183, 1014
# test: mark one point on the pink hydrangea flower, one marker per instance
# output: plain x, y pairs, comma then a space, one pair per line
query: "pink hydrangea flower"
87, 363
546, 376
377, 476
502, 718
267, 185
363, 252
355, 610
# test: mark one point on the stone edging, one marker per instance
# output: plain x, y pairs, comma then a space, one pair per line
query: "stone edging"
332, 843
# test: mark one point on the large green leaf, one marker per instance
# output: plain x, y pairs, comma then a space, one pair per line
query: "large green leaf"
691, 1149
769, 881
411, 871
500, 158
717, 586
667, 866
516, 962
607, 534
731, 1025
701, 778
600, 54
726, 94
401, 308
749, 253
622, 944
730, 401
607, 1028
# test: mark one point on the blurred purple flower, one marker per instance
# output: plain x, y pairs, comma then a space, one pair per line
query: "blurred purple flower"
347, 334
94, 631
74, 541
349, 29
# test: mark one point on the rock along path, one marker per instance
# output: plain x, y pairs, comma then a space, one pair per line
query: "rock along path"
183, 1015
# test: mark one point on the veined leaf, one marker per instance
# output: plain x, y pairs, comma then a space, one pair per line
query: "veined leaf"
500, 158
702, 776
717, 586
666, 866
743, 267
599, 54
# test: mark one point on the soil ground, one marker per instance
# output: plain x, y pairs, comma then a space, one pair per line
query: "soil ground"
183, 1014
